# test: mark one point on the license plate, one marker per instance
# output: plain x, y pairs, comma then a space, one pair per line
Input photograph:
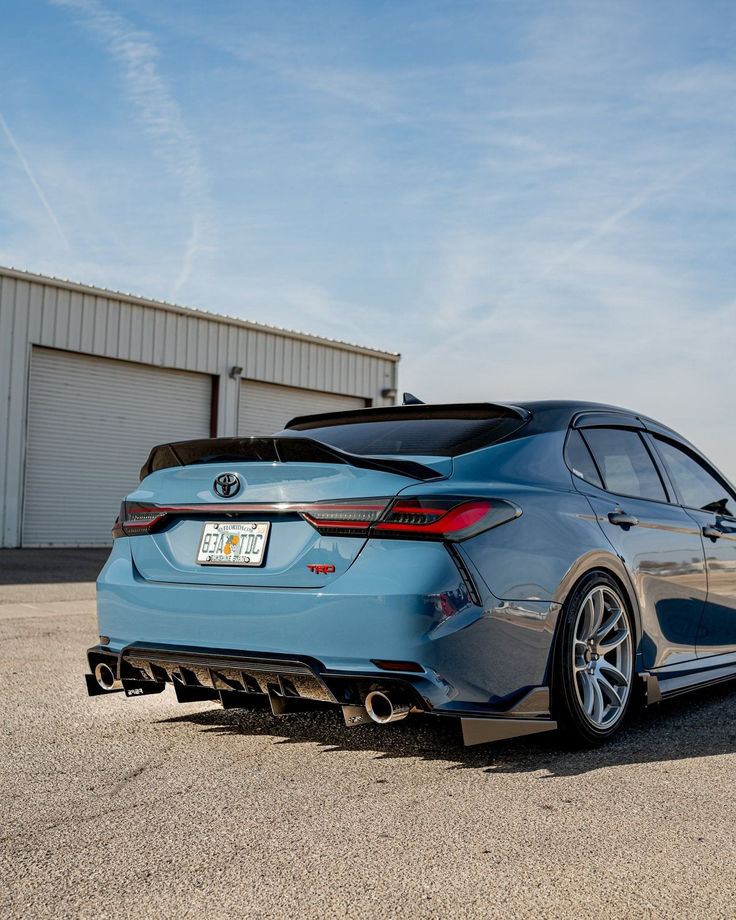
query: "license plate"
243, 543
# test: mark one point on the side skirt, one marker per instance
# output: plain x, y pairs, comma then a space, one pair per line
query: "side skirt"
694, 675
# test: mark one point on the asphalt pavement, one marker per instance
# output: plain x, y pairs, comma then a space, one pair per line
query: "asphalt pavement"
143, 808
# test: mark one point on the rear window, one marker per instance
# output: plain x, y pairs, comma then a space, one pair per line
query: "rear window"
625, 463
579, 459
440, 436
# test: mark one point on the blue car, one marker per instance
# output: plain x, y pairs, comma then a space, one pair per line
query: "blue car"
517, 567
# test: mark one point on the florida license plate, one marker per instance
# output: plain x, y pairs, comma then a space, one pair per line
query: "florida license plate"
243, 543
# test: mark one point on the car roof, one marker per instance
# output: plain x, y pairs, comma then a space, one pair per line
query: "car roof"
535, 417
554, 414
540, 415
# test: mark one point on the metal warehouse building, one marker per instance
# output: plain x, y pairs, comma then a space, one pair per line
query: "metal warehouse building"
90, 379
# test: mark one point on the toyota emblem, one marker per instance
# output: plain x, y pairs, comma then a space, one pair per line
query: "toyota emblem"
227, 485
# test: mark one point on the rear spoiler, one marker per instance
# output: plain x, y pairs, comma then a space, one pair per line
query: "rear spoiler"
410, 411
276, 449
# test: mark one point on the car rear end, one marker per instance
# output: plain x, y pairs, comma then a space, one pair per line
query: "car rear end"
323, 564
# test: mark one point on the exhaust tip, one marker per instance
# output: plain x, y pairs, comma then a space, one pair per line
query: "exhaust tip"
384, 707
105, 677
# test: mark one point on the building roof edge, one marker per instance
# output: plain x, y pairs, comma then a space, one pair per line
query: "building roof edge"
22, 275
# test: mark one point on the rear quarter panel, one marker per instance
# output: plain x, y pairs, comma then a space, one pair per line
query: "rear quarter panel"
531, 557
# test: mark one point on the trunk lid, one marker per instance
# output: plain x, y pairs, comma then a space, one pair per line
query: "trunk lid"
296, 555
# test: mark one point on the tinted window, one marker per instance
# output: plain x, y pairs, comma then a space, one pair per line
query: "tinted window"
579, 460
625, 463
697, 486
442, 437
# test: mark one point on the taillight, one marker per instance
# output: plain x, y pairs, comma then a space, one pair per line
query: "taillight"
345, 519
444, 517
136, 519
452, 518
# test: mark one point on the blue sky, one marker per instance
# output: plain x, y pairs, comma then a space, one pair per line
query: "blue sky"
525, 198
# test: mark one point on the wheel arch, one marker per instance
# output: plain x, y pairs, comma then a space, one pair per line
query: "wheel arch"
601, 561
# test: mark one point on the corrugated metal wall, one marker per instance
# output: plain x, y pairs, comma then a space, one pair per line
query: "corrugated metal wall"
266, 407
87, 435
40, 311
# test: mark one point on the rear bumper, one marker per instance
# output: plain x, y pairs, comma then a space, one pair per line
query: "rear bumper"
475, 659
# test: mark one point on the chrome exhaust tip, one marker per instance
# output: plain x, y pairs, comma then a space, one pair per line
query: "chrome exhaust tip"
383, 707
106, 678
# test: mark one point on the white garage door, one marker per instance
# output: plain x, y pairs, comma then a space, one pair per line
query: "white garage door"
267, 407
91, 423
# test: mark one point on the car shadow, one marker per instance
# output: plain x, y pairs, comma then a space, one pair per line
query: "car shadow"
702, 724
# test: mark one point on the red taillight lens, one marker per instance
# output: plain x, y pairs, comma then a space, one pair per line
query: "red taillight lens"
452, 518
430, 516
444, 517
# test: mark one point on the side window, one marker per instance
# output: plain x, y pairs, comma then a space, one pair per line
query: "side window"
698, 487
579, 459
625, 463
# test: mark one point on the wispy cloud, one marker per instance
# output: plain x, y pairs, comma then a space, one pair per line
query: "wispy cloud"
161, 117
664, 184
299, 305
32, 179
362, 89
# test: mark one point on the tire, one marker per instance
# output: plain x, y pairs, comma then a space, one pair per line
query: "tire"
593, 669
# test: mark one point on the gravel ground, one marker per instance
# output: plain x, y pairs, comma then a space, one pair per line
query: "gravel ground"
144, 808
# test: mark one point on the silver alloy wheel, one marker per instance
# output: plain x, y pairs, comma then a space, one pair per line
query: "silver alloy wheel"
601, 657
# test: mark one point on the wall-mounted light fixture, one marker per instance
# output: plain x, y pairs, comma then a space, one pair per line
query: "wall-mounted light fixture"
389, 393
235, 371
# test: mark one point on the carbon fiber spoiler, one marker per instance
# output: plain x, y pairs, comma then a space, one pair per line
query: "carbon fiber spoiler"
276, 449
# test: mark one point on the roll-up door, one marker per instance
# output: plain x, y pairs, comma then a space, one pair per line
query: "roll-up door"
267, 407
91, 423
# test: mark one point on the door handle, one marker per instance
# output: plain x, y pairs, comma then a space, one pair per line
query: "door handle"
621, 519
713, 532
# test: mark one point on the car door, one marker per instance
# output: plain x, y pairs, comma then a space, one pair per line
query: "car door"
657, 540
710, 500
